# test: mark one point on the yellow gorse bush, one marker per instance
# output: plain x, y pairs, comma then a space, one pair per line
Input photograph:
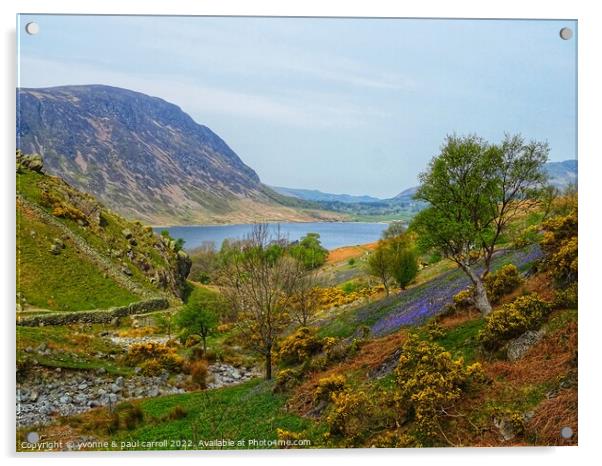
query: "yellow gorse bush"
560, 245
299, 346
502, 282
334, 296
512, 320
328, 386
430, 382
165, 356
348, 414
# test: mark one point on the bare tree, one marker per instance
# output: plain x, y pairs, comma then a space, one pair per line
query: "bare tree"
306, 297
259, 280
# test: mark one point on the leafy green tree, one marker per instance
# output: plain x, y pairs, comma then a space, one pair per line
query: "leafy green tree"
200, 315
403, 261
309, 251
474, 190
379, 265
394, 259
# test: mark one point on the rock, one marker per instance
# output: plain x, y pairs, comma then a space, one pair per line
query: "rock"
34, 162
137, 370
127, 234
101, 370
41, 348
126, 271
115, 388
65, 399
33, 396
518, 347
153, 392
54, 249
119, 381
82, 386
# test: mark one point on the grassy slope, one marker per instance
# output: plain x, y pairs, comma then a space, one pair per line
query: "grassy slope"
71, 347
71, 281
246, 411
65, 282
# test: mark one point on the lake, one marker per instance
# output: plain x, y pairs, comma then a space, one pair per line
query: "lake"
332, 234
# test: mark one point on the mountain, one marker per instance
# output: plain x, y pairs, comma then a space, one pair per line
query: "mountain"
407, 193
562, 174
145, 158
315, 195
74, 254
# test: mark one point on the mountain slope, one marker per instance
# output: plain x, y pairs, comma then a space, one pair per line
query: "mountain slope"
73, 254
315, 195
142, 156
562, 174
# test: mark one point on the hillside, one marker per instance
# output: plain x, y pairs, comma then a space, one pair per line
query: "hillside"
562, 174
145, 158
316, 195
73, 254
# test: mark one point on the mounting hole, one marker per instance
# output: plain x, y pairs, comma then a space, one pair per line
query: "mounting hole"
32, 28
566, 432
566, 33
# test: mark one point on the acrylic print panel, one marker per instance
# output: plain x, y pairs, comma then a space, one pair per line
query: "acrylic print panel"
244, 232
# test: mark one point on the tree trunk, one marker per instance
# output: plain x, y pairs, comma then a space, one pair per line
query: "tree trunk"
204, 345
481, 300
268, 365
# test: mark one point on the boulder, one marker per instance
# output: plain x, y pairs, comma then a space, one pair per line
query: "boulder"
518, 347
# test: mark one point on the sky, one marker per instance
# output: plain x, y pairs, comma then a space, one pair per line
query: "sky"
356, 106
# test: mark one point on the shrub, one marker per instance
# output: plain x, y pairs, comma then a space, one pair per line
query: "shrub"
131, 415
327, 386
502, 282
287, 379
560, 247
348, 415
299, 346
512, 320
151, 367
199, 371
434, 330
430, 382
166, 356
177, 413
463, 299
567, 297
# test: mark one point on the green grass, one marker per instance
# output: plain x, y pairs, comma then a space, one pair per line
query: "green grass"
461, 341
72, 348
246, 411
68, 281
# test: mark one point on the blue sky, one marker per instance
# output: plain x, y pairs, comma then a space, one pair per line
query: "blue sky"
354, 106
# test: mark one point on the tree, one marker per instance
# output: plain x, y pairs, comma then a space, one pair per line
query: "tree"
305, 299
379, 264
259, 281
395, 259
403, 260
165, 321
394, 229
200, 315
309, 251
474, 190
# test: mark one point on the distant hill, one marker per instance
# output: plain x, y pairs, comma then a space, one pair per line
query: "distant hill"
562, 174
145, 158
315, 195
74, 254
